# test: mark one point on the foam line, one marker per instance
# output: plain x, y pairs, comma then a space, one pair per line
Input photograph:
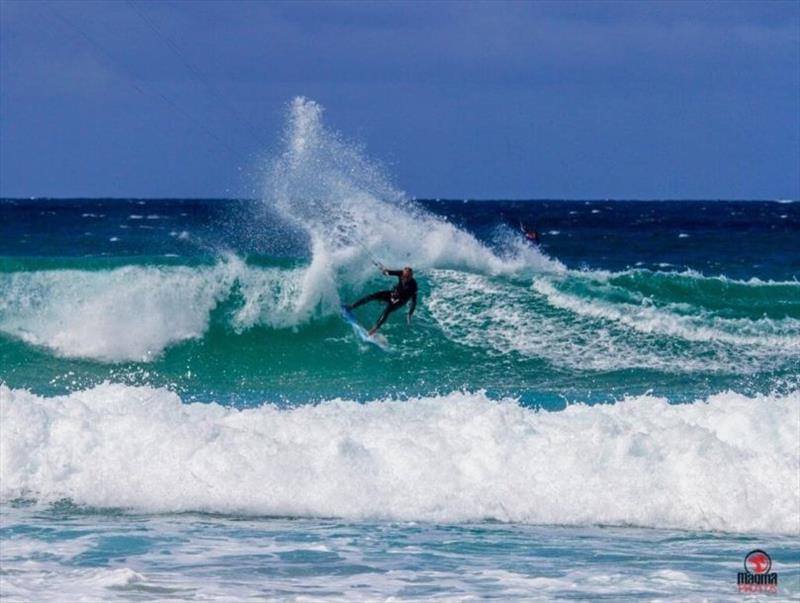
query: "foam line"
725, 463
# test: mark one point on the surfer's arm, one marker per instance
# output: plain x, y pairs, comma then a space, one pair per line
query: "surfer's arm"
397, 273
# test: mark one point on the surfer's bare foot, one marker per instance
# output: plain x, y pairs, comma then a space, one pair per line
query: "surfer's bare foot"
372, 331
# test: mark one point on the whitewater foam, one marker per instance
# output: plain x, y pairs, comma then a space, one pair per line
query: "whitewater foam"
777, 335
605, 327
134, 313
725, 463
130, 313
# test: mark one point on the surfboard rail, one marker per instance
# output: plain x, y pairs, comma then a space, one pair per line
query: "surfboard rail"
377, 340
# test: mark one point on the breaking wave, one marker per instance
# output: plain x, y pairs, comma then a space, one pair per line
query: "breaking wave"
501, 298
728, 462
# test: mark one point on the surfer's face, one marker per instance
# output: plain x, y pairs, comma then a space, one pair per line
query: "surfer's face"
407, 273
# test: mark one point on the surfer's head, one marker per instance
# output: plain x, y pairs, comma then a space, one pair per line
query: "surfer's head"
407, 273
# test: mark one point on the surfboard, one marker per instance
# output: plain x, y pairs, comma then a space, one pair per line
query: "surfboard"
377, 339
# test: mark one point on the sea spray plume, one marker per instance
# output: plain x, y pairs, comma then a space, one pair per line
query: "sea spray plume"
351, 213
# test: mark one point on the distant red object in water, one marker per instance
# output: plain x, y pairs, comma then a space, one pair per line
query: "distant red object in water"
531, 235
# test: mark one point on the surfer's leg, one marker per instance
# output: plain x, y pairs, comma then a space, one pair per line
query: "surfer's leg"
390, 307
384, 296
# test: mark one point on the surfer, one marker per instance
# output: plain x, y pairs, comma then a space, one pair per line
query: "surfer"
404, 290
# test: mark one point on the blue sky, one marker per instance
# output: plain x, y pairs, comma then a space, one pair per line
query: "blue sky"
479, 100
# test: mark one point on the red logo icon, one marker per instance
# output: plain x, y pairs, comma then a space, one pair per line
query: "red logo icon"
757, 562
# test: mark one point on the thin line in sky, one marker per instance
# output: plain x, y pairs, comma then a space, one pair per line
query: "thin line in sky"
197, 123
197, 74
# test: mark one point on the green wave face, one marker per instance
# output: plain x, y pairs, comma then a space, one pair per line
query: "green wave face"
245, 332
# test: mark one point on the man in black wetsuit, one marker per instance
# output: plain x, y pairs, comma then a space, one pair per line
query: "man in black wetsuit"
405, 289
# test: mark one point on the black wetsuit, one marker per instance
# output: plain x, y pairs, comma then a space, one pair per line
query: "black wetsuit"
393, 298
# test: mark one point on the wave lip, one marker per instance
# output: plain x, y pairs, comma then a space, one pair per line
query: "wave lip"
134, 313
727, 463
130, 313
